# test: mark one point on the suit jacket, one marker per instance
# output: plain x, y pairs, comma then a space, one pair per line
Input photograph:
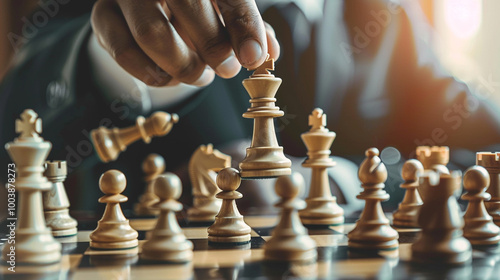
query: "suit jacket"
378, 88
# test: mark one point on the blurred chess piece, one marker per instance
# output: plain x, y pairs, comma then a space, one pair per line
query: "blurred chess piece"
34, 241
322, 207
264, 158
113, 230
434, 158
373, 231
229, 226
290, 241
491, 161
152, 166
55, 201
479, 228
168, 243
109, 143
203, 165
441, 240
407, 213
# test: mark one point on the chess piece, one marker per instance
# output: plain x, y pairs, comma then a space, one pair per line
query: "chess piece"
479, 228
372, 231
229, 226
264, 158
290, 240
109, 143
152, 166
203, 165
113, 230
55, 201
322, 207
441, 240
491, 161
434, 158
34, 241
407, 213
168, 243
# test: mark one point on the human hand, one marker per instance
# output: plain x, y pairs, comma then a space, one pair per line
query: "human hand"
164, 42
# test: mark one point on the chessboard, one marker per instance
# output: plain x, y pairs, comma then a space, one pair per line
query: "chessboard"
335, 261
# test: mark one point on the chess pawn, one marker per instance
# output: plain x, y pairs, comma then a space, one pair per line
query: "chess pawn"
407, 213
290, 240
109, 143
491, 161
55, 201
322, 207
479, 228
441, 240
152, 166
229, 226
34, 241
264, 158
372, 231
168, 242
434, 158
113, 230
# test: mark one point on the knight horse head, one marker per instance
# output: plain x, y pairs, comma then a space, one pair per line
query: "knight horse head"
203, 164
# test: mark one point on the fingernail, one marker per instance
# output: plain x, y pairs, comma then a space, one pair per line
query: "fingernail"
228, 68
206, 78
250, 52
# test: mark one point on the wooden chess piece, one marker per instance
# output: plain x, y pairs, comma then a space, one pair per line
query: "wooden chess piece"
434, 158
373, 231
55, 201
203, 165
479, 228
113, 230
168, 242
152, 166
407, 213
491, 161
264, 158
441, 240
34, 241
322, 207
290, 241
109, 143
229, 226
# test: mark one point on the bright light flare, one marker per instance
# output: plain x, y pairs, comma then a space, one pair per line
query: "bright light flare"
463, 17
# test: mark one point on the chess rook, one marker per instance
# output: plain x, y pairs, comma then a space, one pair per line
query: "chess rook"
109, 143
34, 241
372, 231
229, 226
264, 158
152, 166
434, 158
441, 240
203, 165
113, 230
290, 241
322, 207
479, 228
491, 161
55, 201
168, 243
407, 213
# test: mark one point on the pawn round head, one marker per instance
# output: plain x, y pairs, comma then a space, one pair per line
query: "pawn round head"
112, 182
153, 163
168, 186
476, 179
412, 169
228, 179
288, 187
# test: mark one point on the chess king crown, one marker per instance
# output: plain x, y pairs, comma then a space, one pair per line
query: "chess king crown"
490, 161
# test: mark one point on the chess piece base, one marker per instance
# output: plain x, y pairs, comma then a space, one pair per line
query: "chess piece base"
265, 162
204, 209
406, 216
171, 257
35, 248
373, 245
168, 248
60, 222
487, 234
322, 212
290, 249
373, 237
493, 208
129, 244
230, 239
456, 251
